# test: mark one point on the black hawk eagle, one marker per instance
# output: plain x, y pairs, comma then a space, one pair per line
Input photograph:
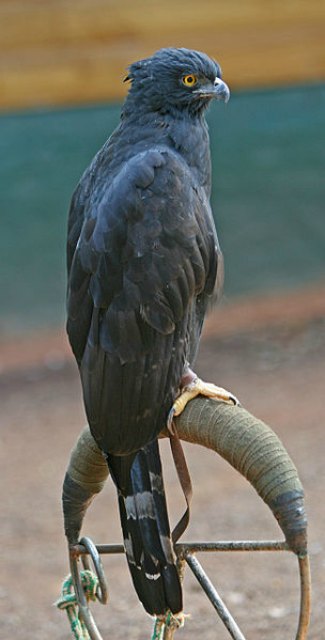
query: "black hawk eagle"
143, 264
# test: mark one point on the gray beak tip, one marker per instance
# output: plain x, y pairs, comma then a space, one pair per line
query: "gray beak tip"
222, 91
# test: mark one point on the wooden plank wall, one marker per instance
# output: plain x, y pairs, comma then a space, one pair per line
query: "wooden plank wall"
61, 52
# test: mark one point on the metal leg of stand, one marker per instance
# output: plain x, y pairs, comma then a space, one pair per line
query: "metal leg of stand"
185, 552
102, 593
214, 597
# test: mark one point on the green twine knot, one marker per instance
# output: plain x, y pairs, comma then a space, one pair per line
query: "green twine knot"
68, 601
166, 625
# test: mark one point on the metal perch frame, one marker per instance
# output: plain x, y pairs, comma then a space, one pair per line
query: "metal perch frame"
252, 448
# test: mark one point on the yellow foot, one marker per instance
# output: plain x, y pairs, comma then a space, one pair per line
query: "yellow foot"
196, 388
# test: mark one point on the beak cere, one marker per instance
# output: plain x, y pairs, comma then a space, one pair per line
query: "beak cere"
218, 90
221, 90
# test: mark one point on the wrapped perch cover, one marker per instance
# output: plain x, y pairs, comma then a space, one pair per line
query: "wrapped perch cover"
86, 475
247, 443
252, 448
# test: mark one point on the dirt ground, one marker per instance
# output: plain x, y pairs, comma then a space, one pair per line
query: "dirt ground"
278, 372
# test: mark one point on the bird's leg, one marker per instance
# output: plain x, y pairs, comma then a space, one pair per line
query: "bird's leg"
190, 387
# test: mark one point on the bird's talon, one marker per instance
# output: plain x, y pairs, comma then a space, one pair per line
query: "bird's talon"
170, 418
196, 388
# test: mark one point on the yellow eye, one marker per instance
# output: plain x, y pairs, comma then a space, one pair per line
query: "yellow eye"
190, 80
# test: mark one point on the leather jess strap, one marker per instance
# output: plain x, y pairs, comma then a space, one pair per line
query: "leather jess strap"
185, 482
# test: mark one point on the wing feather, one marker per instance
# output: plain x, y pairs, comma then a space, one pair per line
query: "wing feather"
137, 262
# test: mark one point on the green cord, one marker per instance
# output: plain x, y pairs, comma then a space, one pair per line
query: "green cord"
68, 601
158, 630
165, 625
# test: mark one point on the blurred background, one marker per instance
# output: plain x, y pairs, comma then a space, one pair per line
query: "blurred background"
62, 65
61, 69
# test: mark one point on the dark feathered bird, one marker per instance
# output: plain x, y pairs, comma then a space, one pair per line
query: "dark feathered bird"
143, 262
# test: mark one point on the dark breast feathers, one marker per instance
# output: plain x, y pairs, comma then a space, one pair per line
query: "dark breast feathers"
142, 265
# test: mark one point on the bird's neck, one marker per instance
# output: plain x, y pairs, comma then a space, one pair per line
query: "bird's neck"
189, 136
185, 134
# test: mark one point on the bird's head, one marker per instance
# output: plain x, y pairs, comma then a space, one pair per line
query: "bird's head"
176, 80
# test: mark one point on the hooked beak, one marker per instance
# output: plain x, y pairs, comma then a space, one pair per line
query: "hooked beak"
222, 91
218, 90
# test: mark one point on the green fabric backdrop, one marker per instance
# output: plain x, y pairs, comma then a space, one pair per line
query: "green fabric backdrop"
268, 196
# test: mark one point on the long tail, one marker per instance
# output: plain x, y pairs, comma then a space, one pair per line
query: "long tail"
146, 532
